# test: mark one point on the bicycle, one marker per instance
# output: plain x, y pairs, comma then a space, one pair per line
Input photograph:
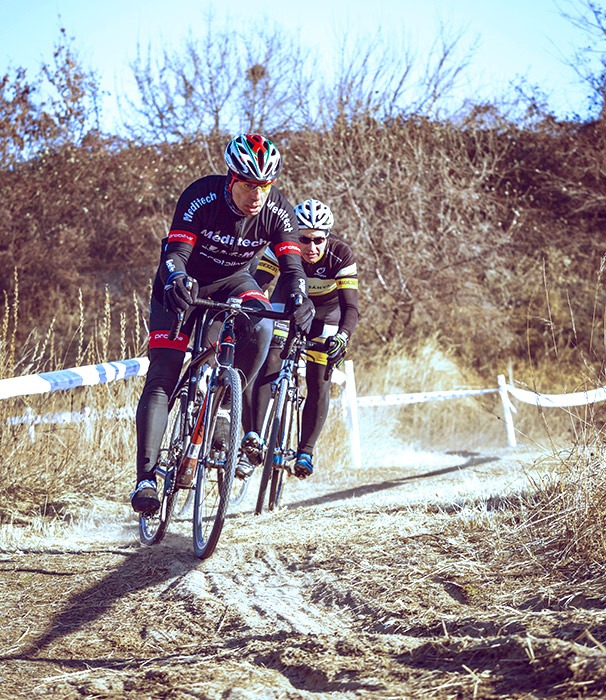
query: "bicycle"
194, 455
282, 423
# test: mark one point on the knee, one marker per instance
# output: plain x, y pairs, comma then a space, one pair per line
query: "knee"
163, 372
262, 333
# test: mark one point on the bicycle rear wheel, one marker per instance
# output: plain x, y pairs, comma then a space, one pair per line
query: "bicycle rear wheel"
152, 527
217, 465
239, 490
274, 429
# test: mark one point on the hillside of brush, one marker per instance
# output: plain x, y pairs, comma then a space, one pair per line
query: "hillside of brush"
482, 232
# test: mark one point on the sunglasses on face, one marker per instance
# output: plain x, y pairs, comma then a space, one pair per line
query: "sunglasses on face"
251, 186
306, 240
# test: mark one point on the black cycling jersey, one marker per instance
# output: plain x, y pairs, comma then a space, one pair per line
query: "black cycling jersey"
332, 283
210, 242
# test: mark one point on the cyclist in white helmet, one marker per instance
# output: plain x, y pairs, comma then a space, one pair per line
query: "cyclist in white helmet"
329, 264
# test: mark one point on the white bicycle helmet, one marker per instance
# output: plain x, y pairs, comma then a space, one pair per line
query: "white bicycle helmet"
314, 214
253, 157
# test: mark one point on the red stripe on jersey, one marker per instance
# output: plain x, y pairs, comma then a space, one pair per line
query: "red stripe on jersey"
176, 236
287, 247
160, 339
254, 294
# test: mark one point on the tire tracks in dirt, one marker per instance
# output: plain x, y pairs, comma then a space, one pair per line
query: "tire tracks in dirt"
355, 590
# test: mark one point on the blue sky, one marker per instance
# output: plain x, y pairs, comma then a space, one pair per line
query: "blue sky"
516, 38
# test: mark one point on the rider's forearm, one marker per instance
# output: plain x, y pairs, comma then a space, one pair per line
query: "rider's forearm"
293, 279
348, 301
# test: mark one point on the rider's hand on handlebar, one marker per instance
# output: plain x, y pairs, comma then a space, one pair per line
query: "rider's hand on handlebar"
180, 291
302, 310
335, 347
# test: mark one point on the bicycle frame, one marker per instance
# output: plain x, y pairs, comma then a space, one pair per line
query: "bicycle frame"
282, 411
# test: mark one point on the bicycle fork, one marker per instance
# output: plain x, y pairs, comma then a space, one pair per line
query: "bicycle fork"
225, 356
187, 468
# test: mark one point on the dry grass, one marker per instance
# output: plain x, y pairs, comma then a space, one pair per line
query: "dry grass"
58, 450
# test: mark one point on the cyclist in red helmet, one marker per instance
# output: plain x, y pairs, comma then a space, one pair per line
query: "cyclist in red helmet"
219, 225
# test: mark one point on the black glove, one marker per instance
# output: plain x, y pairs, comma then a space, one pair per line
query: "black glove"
302, 310
335, 348
180, 291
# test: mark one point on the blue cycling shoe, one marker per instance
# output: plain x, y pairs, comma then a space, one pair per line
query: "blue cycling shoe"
303, 465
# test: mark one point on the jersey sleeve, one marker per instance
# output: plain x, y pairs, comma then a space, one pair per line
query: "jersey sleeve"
182, 236
347, 288
285, 244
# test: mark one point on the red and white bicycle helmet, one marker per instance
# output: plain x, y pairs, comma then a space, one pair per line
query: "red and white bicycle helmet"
253, 157
315, 215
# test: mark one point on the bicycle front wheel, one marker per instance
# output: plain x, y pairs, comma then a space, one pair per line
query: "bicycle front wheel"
217, 465
285, 451
274, 429
152, 527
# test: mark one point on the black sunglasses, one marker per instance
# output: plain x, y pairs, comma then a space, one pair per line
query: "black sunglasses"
306, 240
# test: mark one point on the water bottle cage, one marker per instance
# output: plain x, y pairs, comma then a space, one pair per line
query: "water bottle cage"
227, 344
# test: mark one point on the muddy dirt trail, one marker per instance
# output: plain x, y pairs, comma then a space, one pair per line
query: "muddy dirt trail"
374, 585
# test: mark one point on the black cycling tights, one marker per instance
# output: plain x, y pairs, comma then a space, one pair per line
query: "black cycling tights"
316, 405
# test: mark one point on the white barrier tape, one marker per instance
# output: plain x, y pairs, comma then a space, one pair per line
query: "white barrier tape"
579, 398
88, 375
401, 399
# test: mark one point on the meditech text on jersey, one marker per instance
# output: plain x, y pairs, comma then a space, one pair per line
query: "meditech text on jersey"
281, 214
216, 237
196, 204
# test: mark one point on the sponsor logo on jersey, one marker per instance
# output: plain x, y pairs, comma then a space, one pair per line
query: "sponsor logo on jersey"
196, 204
228, 240
253, 294
160, 339
347, 283
266, 266
287, 247
176, 236
282, 214
318, 287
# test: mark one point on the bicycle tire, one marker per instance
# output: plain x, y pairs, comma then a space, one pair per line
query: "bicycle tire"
239, 490
275, 488
268, 464
152, 527
289, 441
284, 443
216, 468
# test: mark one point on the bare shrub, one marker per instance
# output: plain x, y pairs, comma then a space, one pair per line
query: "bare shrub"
221, 83
385, 79
58, 107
